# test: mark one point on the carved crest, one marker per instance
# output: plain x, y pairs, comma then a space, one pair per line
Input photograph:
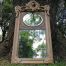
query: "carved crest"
31, 6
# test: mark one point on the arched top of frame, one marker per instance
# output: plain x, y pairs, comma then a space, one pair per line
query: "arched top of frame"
32, 6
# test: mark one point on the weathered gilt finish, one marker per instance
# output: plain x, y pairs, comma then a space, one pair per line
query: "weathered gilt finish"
32, 6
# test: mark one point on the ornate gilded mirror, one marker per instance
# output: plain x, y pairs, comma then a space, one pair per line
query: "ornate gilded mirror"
32, 36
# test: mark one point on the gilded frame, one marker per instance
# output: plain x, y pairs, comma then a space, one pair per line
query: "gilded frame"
49, 58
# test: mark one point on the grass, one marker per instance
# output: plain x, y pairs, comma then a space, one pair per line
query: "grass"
7, 63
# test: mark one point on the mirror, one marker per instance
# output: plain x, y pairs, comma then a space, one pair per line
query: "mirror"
32, 19
32, 37
32, 44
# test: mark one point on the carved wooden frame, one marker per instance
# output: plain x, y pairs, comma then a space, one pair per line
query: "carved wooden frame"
49, 58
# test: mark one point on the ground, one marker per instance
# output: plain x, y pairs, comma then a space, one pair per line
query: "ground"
7, 63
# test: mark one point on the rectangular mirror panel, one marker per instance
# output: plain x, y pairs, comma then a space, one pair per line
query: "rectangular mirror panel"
32, 44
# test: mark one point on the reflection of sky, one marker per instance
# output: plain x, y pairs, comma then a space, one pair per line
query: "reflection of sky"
39, 42
26, 17
39, 39
32, 19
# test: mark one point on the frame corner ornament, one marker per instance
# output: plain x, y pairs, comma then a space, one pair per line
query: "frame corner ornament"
17, 10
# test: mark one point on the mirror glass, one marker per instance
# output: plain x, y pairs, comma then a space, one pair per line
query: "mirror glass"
32, 44
32, 19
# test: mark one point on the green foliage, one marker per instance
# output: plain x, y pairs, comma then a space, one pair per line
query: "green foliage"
7, 9
42, 47
25, 47
32, 19
7, 6
61, 30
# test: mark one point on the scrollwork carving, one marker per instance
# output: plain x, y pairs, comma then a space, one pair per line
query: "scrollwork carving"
17, 10
32, 6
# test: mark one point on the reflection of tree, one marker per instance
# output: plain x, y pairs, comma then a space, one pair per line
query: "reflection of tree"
33, 19
25, 48
27, 39
42, 48
36, 34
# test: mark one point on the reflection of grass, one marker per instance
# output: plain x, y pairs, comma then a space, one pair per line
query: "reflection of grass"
7, 63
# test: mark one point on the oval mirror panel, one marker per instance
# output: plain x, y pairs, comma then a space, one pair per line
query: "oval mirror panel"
32, 19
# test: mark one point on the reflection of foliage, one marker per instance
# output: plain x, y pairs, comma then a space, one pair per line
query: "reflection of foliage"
34, 19
25, 48
42, 48
27, 39
36, 34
